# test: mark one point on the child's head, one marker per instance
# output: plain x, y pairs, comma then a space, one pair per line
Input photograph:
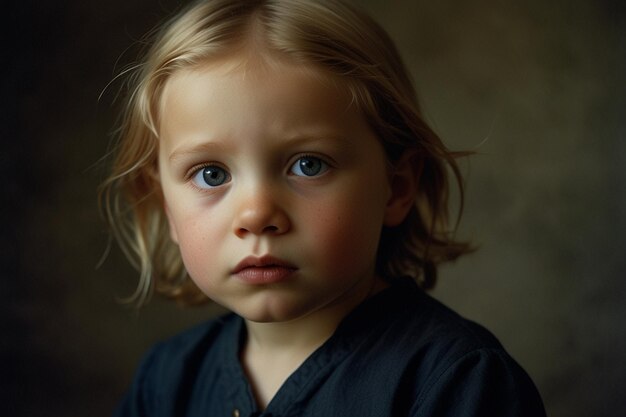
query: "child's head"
267, 53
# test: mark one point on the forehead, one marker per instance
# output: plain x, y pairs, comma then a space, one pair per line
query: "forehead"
253, 72
258, 66
256, 86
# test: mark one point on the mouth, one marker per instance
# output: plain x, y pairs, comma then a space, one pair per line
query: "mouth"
263, 270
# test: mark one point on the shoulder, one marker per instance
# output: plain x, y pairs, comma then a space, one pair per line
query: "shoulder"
442, 363
199, 337
412, 317
437, 330
442, 327
484, 381
169, 368
172, 360
458, 367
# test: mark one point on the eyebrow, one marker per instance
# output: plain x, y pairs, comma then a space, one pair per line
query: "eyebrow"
321, 137
183, 151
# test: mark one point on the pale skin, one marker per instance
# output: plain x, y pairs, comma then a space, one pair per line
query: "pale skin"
262, 157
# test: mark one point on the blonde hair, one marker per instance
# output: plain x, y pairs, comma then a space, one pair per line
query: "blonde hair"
330, 35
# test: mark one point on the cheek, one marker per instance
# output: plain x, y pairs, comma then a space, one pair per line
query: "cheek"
191, 245
346, 231
196, 242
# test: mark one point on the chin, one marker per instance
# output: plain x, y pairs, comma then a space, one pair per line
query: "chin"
271, 312
267, 316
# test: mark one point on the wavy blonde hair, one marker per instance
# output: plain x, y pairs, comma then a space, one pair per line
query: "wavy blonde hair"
330, 35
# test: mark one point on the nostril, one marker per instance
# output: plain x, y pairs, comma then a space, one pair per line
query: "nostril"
267, 229
265, 219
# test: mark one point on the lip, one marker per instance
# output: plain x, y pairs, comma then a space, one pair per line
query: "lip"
263, 270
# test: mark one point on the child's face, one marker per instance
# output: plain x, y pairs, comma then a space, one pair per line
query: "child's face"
275, 188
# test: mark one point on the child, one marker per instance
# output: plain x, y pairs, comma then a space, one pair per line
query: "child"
274, 159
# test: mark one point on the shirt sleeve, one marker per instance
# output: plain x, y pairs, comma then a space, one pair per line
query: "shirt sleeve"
485, 382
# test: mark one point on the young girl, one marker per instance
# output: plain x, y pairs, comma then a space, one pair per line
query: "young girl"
274, 159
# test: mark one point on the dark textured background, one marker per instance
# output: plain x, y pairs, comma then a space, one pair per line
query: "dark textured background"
536, 87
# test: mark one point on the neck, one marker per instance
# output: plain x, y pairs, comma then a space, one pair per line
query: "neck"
303, 334
307, 333
274, 350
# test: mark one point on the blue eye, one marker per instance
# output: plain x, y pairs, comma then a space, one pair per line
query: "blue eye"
211, 176
309, 166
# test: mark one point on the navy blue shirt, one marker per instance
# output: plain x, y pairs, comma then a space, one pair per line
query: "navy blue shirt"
400, 353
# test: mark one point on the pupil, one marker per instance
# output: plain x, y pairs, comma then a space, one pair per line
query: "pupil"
214, 176
310, 166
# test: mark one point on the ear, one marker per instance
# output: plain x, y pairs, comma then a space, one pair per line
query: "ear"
403, 182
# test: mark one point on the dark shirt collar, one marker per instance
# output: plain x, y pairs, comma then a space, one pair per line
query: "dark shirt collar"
354, 329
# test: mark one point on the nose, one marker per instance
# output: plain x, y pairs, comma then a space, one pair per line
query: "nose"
259, 213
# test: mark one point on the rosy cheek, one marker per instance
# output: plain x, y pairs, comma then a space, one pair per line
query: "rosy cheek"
190, 252
193, 245
342, 236
358, 227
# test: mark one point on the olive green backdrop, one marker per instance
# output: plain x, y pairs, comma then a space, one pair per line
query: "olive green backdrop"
535, 87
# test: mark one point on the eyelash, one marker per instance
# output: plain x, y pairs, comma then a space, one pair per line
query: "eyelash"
325, 165
196, 170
